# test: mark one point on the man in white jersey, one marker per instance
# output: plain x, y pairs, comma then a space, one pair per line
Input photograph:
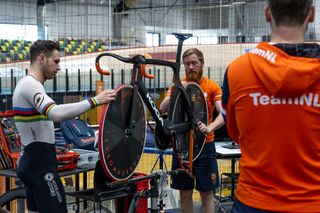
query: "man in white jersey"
34, 114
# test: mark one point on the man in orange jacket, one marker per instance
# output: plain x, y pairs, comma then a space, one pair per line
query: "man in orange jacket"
205, 167
271, 98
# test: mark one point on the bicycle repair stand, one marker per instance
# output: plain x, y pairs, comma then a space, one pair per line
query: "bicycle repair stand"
158, 187
154, 201
104, 190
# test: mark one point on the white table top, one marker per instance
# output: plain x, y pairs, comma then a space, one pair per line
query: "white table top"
223, 151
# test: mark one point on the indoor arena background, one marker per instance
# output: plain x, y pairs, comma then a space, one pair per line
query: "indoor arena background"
222, 29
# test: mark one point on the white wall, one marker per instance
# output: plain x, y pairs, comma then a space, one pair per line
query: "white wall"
77, 19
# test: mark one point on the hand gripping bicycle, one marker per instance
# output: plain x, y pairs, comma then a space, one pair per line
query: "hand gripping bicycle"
123, 124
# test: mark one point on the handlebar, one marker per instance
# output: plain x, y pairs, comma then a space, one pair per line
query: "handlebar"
138, 59
142, 61
107, 72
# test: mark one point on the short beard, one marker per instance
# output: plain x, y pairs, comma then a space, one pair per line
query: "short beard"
46, 73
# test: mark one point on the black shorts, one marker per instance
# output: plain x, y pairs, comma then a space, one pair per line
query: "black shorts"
205, 171
38, 171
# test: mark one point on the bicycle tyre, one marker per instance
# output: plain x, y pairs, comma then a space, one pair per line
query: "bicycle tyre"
10, 196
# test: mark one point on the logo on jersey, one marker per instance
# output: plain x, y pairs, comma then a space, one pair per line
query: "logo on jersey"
49, 177
38, 99
310, 99
267, 54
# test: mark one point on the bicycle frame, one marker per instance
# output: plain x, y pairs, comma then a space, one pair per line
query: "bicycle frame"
165, 127
138, 71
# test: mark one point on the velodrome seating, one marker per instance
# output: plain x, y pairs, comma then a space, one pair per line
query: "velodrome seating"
19, 50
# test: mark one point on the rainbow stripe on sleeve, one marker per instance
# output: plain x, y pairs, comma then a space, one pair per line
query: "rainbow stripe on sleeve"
48, 107
93, 103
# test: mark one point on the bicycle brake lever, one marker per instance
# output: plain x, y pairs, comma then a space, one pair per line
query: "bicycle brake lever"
144, 72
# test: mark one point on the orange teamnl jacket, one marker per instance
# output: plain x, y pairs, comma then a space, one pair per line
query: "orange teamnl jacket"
272, 109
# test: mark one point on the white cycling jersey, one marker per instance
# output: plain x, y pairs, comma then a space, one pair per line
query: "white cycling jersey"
35, 111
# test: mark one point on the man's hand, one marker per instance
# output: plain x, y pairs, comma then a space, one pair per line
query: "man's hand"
216, 124
184, 84
106, 96
204, 128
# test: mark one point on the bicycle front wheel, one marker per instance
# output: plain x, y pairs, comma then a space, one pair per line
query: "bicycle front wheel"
122, 133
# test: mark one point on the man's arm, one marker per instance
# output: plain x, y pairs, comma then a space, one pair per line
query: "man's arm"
164, 106
58, 113
216, 124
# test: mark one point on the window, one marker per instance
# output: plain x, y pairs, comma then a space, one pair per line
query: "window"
266, 38
240, 39
223, 39
152, 39
191, 40
208, 40
19, 32
311, 36
172, 40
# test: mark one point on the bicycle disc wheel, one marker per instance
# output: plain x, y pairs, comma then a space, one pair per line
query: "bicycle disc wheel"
122, 134
179, 115
11, 196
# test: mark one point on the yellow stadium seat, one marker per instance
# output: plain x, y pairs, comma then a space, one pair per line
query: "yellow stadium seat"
10, 43
20, 56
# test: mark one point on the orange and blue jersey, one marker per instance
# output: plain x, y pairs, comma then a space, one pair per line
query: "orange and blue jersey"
271, 104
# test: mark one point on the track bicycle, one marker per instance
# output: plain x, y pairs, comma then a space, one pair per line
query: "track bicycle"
123, 121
